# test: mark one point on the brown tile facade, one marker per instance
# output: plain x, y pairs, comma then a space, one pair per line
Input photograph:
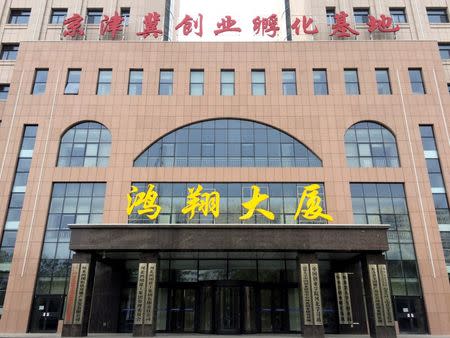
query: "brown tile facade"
135, 122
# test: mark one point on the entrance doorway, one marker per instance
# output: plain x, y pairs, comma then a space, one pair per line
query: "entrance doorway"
46, 313
225, 307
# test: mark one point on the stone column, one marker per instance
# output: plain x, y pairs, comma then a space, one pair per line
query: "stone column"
146, 292
378, 296
106, 296
78, 306
310, 297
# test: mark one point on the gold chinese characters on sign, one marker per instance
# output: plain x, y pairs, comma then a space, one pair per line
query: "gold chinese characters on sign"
200, 201
343, 298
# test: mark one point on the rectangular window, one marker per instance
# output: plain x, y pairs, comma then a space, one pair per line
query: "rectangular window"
289, 79
16, 198
70, 203
125, 14
135, 82
331, 12
258, 82
448, 87
9, 51
165, 82
361, 15
58, 15
416, 79
383, 81
196, 84
72, 82
437, 183
4, 91
94, 15
104, 81
437, 15
40, 81
19, 16
398, 15
320, 82
351, 81
227, 82
444, 50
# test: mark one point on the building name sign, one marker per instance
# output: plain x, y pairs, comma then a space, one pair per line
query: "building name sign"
199, 201
262, 26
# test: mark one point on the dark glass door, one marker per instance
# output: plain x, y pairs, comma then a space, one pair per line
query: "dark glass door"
228, 309
410, 314
181, 309
127, 304
46, 313
274, 310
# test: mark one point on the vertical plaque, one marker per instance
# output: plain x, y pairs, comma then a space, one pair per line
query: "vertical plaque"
340, 298
347, 298
316, 297
140, 294
150, 294
386, 295
376, 295
71, 295
306, 294
81, 294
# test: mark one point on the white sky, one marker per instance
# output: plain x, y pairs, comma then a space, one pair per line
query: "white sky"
243, 11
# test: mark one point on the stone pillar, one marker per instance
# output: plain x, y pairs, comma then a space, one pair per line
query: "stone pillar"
146, 292
378, 296
349, 296
78, 306
106, 297
310, 296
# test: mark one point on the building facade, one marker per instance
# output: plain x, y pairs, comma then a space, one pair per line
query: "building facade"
153, 184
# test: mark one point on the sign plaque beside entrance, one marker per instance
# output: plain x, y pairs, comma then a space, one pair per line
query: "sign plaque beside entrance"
150, 294
140, 294
71, 296
306, 294
386, 295
343, 298
315, 291
81, 294
376, 295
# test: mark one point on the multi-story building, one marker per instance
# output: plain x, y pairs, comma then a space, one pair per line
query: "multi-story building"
296, 183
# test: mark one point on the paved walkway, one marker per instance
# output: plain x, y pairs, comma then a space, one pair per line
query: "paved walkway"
194, 335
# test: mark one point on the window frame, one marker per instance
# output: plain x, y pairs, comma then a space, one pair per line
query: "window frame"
222, 82
7, 49
125, 14
444, 47
331, 20
199, 83
36, 83
386, 70
255, 83
169, 84
317, 83
287, 83
2, 91
397, 15
93, 13
443, 14
69, 70
419, 71
14, 16
358, 14
347, 83
130, 82
52, 15
100, 83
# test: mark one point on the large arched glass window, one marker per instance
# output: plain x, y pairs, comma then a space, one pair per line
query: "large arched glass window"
369, 144
227, 143
87, 144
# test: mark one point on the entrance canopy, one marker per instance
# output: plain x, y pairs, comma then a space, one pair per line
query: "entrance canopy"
168, 237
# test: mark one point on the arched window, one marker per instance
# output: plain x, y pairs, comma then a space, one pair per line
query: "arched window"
87, 144
227, 143
369, 144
